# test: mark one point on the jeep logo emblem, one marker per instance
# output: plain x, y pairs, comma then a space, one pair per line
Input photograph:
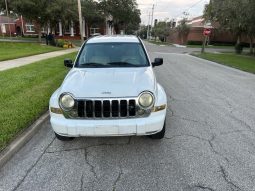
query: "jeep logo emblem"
108, 93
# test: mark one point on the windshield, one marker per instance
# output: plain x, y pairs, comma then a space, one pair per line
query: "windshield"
111, 55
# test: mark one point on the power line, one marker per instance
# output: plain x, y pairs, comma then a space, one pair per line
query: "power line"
192, 6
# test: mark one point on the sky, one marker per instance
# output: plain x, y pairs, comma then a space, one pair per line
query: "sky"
169, 9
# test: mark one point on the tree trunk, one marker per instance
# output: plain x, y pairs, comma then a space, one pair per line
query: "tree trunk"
204, 43
251, 45
39, 33
238, 39
116, 28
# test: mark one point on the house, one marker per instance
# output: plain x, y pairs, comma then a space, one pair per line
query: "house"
7, 26
16, 27
23, 27
195, 35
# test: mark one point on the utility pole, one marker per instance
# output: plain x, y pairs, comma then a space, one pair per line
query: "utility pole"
7, 13
80, 20
22, 25
152, 13
148, 29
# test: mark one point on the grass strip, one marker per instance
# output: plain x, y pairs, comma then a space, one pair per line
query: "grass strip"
13, 50
25, 94
241, 62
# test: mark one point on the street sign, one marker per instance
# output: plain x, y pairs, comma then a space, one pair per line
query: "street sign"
207, 32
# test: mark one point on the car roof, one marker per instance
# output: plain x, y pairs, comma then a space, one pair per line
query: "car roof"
113, 38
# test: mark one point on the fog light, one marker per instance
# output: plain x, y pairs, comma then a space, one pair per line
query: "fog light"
140, 112
56, 110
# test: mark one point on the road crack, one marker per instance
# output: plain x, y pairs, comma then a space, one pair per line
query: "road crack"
209, 141
200, 186
227, 179
91, 146
82, 183
243, 123
187, 135
92, 168
117, 179
31, 168
215, 151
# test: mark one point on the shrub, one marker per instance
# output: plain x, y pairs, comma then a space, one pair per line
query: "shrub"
194, 42
239, 48
60, 43
63, 43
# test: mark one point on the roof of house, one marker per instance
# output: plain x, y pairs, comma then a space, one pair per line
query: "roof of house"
6, 20
113, 38
197, 22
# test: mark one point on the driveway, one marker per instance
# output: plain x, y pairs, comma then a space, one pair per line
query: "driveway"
209, 143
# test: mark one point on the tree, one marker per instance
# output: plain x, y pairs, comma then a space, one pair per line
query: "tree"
62, 10
161, 30
34, 10
143, 31
135, 20
250, 23
3, 6
183, 29
10, 8
125, 13
92, 13
234, 15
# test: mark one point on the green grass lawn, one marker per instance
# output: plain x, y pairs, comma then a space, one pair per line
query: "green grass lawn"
212, 46
12, 50
241, 62
25, 94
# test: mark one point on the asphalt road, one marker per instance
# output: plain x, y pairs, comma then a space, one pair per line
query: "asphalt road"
209, 144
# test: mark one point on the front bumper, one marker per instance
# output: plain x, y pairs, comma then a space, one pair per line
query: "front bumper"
110, 127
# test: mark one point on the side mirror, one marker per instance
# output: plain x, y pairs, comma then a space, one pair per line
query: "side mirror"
68, 63
157, 62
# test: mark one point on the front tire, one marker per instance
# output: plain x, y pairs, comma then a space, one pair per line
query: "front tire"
159, 135
63, 138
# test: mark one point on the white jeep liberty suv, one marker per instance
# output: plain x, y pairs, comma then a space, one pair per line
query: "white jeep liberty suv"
111, 90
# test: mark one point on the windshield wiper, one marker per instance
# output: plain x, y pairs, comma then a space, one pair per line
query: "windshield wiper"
123, 64
92, 65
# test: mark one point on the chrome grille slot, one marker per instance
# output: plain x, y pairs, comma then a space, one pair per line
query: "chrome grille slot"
81, 109
107, 108
89, 109
123, 108
98, 108
114, 108
132, 108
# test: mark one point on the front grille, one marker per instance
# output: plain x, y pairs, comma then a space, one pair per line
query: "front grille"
106, 108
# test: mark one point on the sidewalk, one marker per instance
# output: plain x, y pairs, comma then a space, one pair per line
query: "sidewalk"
19, 40
8, 64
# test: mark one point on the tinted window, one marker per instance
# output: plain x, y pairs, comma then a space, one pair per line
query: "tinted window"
112, 55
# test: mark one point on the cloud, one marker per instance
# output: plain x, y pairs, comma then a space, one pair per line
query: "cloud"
170, 8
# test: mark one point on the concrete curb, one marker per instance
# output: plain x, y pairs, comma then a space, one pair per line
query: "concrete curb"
21, 140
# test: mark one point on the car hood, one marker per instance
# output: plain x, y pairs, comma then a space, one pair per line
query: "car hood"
108, 82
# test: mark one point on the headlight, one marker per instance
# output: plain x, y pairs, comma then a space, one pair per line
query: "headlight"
66, 102
146, 100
